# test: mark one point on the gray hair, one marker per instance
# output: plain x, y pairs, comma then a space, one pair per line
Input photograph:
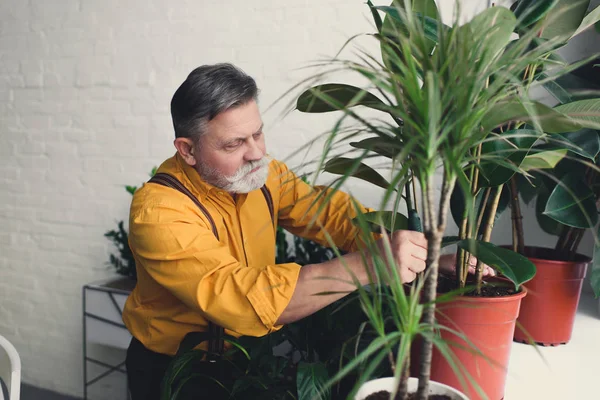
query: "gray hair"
208, 91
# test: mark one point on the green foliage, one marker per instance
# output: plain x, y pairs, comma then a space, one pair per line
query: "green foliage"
123, 262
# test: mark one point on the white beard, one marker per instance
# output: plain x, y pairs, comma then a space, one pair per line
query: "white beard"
243, 181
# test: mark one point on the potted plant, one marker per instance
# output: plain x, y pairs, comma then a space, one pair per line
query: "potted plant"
566, 194
444, 90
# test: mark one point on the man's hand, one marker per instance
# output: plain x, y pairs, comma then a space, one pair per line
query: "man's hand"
409, 250
448, 265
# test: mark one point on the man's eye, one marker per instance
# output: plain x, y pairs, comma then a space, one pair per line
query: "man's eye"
257, 135
232, 146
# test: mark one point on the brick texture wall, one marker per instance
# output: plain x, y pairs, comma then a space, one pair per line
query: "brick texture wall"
85, 87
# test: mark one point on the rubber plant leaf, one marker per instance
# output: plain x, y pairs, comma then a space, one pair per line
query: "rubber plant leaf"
336, 96
351, 167
572, 203
514, 266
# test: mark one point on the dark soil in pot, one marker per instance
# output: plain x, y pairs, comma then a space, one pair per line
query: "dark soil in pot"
385, 395
492, 287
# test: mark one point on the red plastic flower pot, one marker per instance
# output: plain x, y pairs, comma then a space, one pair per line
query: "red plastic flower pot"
548, 313
488, 323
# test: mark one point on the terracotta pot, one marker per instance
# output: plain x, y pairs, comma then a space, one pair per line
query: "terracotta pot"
488, 323
387, 384
548, 312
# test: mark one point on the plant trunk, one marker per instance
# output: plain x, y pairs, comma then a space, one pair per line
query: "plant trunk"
435, 225
517, 218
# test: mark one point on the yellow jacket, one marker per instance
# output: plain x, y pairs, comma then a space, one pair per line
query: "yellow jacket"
186, 276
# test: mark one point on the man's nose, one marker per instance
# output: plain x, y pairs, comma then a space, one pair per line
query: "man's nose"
254, 152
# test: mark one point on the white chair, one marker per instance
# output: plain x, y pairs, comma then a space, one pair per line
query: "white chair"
10, 369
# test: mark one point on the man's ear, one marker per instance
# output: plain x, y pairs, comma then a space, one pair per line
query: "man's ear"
185, 148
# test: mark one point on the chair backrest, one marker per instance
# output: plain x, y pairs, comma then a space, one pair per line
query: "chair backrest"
10, 369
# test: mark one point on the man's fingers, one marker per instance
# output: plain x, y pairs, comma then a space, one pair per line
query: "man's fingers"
407, 276
419, 253
417, 266
417, 238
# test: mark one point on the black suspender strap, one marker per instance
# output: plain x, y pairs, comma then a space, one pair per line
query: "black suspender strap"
215, 343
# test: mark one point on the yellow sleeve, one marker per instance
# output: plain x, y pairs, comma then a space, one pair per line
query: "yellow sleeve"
307, 211
180, 252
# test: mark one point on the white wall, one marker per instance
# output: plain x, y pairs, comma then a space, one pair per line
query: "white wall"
85, 87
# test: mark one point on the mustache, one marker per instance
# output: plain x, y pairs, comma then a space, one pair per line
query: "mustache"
248, 167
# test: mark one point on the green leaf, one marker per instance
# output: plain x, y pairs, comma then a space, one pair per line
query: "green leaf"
531, 11
391, 26
509, 147
543, 160
430, 25
334, 97
591, 19
376, 16
573, 203
492, 28
547, 224
350, 167
386, 219
516, 267
585, 143
565, 19
528, 189
386, 147
131, 189
311, 379
551, 120
595, 274
457, 204
584, 112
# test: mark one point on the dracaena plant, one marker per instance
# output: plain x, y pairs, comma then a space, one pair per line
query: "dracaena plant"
446, 96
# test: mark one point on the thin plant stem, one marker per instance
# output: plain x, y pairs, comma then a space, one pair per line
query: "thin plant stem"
517, 218
487, 233
482, 212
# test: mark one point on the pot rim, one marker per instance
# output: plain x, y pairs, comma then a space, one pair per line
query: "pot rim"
581, 258
502, 299
447, 388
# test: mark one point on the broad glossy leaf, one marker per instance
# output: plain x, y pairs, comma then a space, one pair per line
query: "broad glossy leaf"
346, 167
570, 87
492, 28
585, 142
595, 273
565, 18
572, 203
547, 224
530, 11
543, 160
584, 112
528, 188
511, 147
310, 381
334, 97
391, 26
376, 16
517, 268
384, 219
590, 19
386, 147
430, 25
551, 120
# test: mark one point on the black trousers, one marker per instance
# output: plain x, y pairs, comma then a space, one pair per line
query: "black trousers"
146, 369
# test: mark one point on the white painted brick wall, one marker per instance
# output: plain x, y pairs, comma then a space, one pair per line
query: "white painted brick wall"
85, 87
